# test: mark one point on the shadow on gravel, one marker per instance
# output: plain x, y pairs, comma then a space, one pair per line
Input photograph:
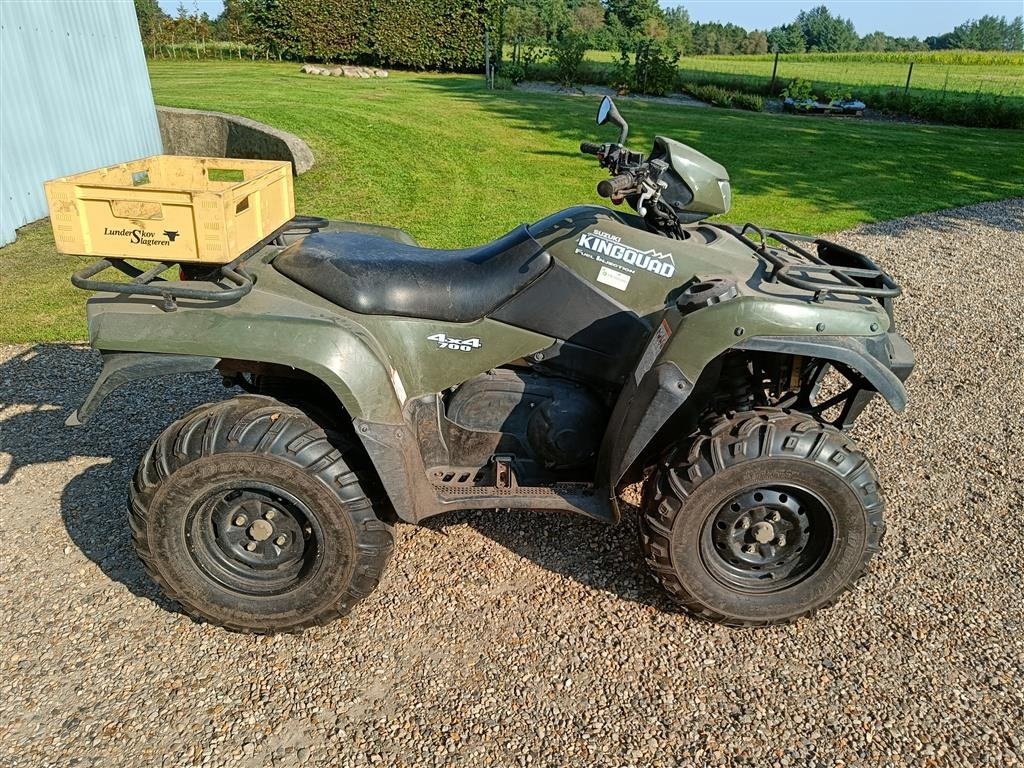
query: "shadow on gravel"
597, 555
42, 385
39, 388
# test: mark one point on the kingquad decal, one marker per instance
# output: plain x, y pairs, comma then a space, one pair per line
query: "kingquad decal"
141, 236
609, 249
445, 341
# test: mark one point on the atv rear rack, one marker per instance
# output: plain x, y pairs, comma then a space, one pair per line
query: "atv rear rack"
149, 282
833, 269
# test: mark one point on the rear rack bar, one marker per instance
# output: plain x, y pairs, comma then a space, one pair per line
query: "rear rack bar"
149, 283
833, 269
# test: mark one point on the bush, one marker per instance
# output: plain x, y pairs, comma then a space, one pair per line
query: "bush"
512, 71
712, 94
589, 73
568, 52
750, 101
654, 72
837, 94
799, 90
984, 110
723, 97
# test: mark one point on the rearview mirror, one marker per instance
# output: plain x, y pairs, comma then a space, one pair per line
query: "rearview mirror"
607, 112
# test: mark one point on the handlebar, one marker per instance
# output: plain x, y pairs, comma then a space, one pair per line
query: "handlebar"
590, 148
616, 185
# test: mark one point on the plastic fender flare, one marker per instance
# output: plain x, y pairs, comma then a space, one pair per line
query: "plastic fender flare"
120, 368
642, 410
885, 361
639, 414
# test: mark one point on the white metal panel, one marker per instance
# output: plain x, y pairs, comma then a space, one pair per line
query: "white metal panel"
74, 95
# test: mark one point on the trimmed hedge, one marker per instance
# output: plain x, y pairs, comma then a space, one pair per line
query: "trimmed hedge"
430, 34
415, 34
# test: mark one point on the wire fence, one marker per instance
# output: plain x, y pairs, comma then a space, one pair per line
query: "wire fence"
207, 49
1005, 79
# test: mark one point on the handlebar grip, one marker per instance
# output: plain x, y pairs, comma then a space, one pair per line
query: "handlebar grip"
590, 148
615, 185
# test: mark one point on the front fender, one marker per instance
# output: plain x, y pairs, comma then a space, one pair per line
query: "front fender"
885, 361
639, 414
643, 410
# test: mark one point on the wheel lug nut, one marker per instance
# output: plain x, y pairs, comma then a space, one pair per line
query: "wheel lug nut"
280, 540
240, 520
744, 522
270, 514
781, 541
251, 546
749, 549
773, 516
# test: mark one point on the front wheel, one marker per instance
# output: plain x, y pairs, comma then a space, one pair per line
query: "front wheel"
762, 518
249, 515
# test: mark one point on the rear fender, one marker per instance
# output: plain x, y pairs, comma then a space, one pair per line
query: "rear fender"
120, 368
263, 328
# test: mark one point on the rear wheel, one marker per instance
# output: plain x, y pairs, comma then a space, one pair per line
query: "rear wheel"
762, 518
249, 516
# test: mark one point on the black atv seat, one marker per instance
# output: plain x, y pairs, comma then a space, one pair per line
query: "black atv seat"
373, 275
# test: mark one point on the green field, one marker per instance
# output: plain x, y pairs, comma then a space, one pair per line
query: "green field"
1000, 74
999, 79
457, 165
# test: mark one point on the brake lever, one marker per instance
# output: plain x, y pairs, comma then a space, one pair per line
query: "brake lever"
651, 185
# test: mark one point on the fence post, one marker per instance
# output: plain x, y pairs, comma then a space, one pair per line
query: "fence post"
775, 68
906, 88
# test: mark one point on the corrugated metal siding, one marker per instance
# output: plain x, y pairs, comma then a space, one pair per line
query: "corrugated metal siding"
74, 95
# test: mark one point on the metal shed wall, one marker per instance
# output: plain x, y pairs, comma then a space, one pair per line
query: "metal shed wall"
74, 95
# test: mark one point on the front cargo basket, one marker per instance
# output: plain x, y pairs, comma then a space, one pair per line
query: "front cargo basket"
831, 268
150, 282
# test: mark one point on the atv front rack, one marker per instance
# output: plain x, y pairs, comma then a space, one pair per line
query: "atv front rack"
150, 282
833, 268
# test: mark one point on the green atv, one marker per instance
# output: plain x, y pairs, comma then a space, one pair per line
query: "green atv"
595, 349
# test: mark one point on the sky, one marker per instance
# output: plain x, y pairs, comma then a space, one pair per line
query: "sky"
899, 18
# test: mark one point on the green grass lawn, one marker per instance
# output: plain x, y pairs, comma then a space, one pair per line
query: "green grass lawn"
457, 165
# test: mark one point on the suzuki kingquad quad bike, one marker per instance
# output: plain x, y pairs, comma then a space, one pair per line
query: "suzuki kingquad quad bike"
717, 366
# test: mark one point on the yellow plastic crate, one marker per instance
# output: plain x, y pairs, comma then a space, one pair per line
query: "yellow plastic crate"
170, 208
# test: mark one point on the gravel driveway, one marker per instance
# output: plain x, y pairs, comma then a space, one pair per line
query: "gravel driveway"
517, 638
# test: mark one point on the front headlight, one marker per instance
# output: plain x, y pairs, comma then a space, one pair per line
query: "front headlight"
726, 190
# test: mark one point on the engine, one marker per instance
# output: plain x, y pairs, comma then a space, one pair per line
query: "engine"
549, 427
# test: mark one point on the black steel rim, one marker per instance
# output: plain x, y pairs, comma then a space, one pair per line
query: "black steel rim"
254, 539
767, 538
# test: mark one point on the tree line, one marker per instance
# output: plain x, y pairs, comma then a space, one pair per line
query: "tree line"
419, 33
608, 23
